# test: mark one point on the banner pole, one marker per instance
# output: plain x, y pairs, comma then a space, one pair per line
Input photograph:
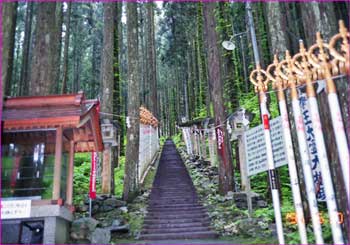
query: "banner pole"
303, 148
293, 173
305, 76
261, 89
90, 207
321, 62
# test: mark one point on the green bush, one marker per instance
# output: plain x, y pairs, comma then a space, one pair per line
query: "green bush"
119, 177
81, 180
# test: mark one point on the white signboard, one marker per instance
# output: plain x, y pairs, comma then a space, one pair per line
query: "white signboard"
15, 209
187, 138
254, 141
315, 164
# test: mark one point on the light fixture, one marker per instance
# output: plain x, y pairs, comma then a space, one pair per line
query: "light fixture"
228, 45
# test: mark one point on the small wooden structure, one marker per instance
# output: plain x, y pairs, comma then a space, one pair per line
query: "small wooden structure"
39, 138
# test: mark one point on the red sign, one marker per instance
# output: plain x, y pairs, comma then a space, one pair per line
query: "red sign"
266, 121
94, 159
221, 144
220, 138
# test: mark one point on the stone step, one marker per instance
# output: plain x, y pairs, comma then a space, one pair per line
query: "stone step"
182, 235
177, 225
175, 221
174, 205
177, 209
186, 215
174, 202
175, 230
179, 196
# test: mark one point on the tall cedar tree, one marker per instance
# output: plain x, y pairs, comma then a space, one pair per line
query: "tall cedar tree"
42, 76
132, 147
117, 107
65, 50
151, 49
9, 14
107, 79
277, 24
215, 82
23, 87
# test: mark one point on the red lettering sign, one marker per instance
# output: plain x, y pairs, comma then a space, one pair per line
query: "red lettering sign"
266, 121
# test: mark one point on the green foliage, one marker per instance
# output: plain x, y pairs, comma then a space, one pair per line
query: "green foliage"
162, 140
178, 140
202, 112
81, 180
119, 177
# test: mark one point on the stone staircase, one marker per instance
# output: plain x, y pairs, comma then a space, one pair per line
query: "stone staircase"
173, 210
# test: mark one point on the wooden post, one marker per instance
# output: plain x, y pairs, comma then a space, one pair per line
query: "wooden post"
212, 142
203, 144
69, 190
106, 170
58, 165
245, 181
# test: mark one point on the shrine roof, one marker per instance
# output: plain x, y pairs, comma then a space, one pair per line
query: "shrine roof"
76, 115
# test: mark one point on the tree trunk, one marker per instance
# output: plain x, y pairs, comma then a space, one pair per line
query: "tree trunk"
132, 148
151, 49
65, 51
202, 64
24, 79
57, 46
9, 15
116, 85
231, 91
277, 23
144, 72
224, 149
318, 17
42, 76
107, 80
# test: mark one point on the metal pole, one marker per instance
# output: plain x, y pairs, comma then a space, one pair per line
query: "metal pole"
303, 150
261, 88
321, 146
333, 101
90, 207
293, 174
265, 119
271, 168
252, 33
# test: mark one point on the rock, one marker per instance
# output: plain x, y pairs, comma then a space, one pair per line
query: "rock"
102, 197
254, 227
82, 228
124, 209
273, 229
229, 195
117, 222
120, 229
100, 236
106, 208
95, 208
113, 202
261, 204
82, 208
263, 225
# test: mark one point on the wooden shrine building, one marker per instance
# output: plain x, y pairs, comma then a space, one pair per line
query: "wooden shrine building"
40, 135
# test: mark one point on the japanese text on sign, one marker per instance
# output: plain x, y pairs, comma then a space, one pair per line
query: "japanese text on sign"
15, 209
315, 164
254, 141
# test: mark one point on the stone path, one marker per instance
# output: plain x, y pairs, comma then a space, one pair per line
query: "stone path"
173, 209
